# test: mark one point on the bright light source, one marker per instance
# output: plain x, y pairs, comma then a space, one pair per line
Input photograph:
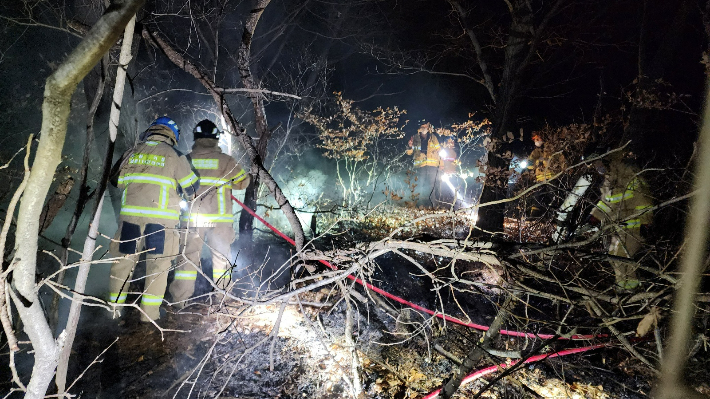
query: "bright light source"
183, 205
446, 178
524, 163
442, 153
225, 140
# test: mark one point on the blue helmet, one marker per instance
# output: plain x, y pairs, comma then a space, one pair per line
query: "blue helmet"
166, 121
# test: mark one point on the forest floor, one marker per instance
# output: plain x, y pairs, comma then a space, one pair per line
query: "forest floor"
220, 356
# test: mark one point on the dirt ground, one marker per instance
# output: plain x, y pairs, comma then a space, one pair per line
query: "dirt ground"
228, 355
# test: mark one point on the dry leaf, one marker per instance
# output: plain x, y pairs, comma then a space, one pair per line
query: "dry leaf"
648, 321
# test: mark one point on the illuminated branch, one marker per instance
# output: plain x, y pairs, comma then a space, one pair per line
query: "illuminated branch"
259, 91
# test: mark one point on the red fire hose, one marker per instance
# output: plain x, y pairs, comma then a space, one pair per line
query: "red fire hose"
477, 374
414, 305
492, 369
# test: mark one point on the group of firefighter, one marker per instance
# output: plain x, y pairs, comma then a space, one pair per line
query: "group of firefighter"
169, 199
623, 212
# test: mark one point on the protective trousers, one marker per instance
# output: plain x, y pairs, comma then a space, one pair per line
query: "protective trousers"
428, 185
219, 240
161, 244
625, 243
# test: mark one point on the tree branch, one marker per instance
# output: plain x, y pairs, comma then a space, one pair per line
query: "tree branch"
487, 78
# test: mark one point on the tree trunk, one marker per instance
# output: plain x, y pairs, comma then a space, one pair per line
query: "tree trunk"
671, 382
84, 194
55, 112
56, 203
90, 242
490, 218
246, 220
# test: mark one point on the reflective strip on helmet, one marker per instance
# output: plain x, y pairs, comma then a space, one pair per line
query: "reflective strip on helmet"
603, 207
151, 300
147, 212
116, 297
147, 159
189, 275
205, 163
146, 178
188, 180
218, 274
240, 176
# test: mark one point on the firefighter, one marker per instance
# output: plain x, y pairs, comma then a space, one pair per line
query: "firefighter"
625, 207
424, 147
152, 176
543, 163
448, 182
447, 156
209, 218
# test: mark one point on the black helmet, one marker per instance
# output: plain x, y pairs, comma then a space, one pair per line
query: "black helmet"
206, 130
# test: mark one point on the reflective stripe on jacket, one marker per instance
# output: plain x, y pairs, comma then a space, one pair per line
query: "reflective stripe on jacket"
152, 175
219, 175
546, 164
625, 196
431, 158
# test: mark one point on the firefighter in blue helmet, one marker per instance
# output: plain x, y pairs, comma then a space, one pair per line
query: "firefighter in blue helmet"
153, 177
209, 218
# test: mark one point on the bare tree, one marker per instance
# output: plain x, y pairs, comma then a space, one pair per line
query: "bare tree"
59, 88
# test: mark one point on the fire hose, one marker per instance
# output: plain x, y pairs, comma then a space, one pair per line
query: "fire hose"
492, 369
414, 305
479, 373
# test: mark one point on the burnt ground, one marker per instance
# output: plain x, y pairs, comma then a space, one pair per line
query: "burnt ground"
310, 358
227, 354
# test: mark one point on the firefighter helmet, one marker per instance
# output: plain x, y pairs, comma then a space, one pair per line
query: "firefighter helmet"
166, 121
206, 130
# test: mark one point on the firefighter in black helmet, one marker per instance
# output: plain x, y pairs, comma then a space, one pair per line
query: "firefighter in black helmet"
209, 218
